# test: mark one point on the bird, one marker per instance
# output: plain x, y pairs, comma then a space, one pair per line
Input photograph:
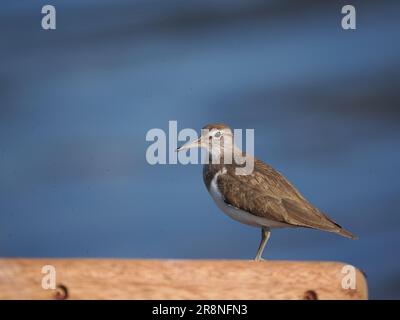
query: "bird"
262, 197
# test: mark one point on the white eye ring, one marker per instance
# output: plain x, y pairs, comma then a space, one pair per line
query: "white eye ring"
218, 134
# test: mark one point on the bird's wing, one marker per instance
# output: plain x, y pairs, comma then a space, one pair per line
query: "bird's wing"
266, 193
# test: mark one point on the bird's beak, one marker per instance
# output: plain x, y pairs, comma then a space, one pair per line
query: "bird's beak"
189, 145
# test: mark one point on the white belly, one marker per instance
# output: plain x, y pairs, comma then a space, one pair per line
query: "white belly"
237, 214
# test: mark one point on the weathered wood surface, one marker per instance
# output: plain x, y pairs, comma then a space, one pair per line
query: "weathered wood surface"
177, 279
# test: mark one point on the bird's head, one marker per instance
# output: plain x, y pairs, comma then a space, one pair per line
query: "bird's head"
215, 138
218, 140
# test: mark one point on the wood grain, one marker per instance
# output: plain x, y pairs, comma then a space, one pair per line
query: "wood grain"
177, 279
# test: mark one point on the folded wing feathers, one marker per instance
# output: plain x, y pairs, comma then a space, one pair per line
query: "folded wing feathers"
266, 193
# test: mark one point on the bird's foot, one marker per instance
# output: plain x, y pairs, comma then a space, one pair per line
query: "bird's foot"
258, 259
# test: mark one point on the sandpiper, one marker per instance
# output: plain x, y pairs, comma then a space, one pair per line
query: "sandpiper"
264, 198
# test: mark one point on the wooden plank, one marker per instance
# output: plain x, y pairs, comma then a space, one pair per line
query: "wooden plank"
177, 279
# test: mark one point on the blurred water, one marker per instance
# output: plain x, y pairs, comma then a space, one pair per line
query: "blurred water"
76, 103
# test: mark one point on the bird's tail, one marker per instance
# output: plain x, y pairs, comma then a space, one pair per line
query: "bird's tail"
345, 233
339, 229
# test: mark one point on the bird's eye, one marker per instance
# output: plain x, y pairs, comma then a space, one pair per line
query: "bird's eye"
218, 134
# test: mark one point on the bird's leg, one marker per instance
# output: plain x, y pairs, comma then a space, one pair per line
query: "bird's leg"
265, 233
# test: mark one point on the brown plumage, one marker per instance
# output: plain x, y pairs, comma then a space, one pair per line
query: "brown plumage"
218, 126
268, 194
